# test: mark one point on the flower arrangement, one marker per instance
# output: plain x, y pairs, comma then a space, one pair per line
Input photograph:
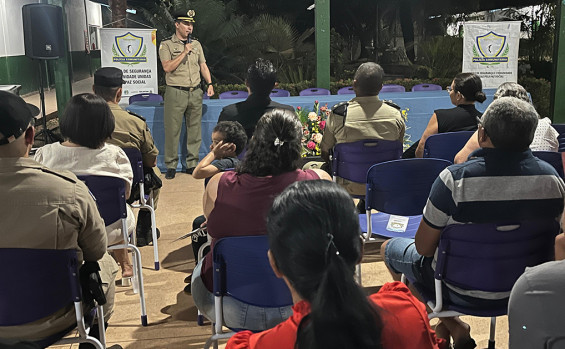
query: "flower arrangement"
406, 142
313, 125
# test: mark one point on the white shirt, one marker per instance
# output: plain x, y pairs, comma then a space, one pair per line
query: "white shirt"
545, 138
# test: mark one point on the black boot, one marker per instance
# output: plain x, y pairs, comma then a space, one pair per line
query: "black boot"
143, 229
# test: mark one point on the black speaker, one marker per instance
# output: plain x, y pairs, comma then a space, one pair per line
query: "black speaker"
43, 31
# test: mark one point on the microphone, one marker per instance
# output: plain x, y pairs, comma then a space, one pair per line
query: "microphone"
189, 40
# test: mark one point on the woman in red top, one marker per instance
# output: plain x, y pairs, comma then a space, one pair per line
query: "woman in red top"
236, 204
314, 246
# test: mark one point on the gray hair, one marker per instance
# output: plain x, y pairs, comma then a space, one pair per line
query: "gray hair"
512, 89
369, 78
510, 123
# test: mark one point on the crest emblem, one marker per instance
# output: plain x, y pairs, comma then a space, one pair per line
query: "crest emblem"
129, 49
490, 49
190, 13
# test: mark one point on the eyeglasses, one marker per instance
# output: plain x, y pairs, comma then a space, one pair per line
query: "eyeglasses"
449, 89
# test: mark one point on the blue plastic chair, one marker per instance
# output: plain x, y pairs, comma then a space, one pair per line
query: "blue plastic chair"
109, 193
205, 95
490, 258
145, 201
426, 87
145, 97
242, 271
280, 93
554, 159
346, 91
36, 283
234, 95
351, 161
392, 88
315, 91
446, 145
400, 188
560, 128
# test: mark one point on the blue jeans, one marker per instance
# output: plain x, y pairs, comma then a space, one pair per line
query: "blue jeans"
401, 256
237, 315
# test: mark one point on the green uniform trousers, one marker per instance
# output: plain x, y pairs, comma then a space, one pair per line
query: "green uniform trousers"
181, 104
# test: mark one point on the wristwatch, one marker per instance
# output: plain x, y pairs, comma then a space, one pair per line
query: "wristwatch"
209, 84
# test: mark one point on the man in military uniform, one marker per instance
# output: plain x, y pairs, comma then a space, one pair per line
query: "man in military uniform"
45, 209
183, 61
131, 131
363, 117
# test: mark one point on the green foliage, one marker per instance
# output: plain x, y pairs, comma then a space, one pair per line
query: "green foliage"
540, 90
443, 55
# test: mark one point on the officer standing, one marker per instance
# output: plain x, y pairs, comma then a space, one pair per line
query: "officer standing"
183, 61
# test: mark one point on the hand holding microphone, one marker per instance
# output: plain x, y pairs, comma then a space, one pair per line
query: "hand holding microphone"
188, 45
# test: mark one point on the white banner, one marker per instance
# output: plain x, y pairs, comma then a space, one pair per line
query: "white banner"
490, 50
134, 51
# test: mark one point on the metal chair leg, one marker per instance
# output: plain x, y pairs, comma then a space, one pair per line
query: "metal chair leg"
491, 344
138, 270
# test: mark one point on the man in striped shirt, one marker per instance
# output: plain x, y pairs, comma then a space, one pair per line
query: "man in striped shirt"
502, 181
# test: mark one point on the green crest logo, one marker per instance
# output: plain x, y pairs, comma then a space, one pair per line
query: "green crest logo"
129, 49
490, 49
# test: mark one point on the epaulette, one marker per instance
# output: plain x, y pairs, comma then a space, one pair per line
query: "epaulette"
340, 109
136, 115
60, 175
391, 103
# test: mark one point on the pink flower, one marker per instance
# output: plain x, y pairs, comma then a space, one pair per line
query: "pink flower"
298, 108
315, 102
323, 109
311, 145
322, 124
306, 132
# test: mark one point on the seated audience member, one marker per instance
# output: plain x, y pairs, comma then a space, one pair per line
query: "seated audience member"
465, 90
503, 183
545, 138
46, 209
130, 131
363, 117
228, 141
314, 246
236, 204
260, 80
535, 309
86, 125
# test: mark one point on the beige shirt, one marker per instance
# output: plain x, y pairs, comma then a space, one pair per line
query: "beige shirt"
366, 118
47, 209
187, 73
132, 132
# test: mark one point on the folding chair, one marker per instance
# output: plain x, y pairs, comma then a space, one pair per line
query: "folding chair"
446, 145
398, 190
146, 97
242, 271
392, 88
560, 128
489, 258
426, 87
280, 93
145, 201
352, 160
315, 91
36, 283
109, 193
233, 95
552, 158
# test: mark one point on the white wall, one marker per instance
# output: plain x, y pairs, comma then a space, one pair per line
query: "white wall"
11, 27
76, 20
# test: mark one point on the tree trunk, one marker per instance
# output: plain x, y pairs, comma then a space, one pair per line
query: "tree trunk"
118, 8
407, 28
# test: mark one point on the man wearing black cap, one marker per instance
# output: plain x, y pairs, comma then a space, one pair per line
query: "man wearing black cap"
45, 209
131, 131
183, 61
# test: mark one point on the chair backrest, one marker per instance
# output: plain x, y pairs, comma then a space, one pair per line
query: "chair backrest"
234, 95
242, 271
392, 88
426, 87
134, 156
36, 283
348, 90
145, 97
280, 93
446, 145
560, 128
110, 195
491, 257
402, 187
205, 95
315, 91
351, 161
554, 159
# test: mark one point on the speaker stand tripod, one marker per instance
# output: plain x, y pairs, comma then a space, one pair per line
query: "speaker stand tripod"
48, 135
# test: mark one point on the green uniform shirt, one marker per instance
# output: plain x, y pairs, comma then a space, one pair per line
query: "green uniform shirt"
187, 73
